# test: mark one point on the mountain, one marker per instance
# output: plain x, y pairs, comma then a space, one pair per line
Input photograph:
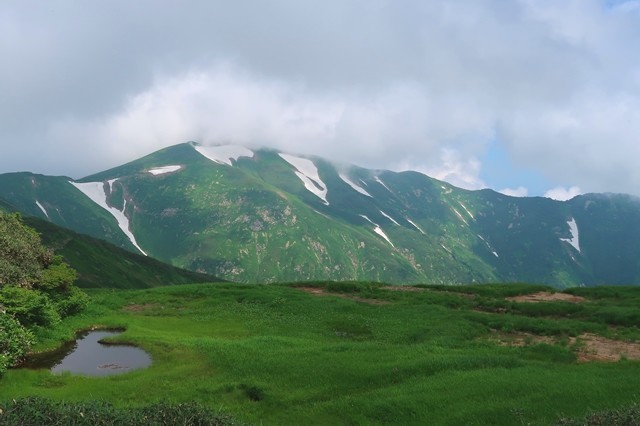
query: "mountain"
265, 216
101, 264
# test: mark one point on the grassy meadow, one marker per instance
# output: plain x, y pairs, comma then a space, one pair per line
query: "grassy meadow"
356, 353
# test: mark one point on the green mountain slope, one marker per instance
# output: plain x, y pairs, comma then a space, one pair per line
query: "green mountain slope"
102, 265
264, 216
54, 199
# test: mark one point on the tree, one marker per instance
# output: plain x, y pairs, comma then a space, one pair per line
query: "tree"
36, 288
22, 255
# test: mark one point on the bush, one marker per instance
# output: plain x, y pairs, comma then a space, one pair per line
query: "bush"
29, 307
57, 276
37, 410
22, 256
70, 302
15, 341
36, 287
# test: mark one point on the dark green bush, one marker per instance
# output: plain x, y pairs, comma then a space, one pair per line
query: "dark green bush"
15, 341
41, 411
22, 256
29, 307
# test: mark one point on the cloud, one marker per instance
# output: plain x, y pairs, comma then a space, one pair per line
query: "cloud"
520, 191
563, 194
451, 166
224, 104
384, 84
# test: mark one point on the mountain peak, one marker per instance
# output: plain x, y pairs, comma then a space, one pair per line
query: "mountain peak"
261, 215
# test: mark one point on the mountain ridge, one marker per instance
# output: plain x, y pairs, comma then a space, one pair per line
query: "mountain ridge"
263, 215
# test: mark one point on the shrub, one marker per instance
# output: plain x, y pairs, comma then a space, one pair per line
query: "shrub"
37, 410
29, 307
15, 341
22, 256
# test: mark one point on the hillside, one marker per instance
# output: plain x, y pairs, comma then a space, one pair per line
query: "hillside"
265, 216
102, 265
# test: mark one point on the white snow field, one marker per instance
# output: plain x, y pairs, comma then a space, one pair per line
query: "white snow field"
416, 226
96, 193
377, 179
223, 154
354, 185
575, 236
42, 208
307, 172
377, 229
389, 217
164, 170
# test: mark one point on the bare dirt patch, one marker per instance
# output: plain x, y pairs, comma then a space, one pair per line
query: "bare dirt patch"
140, 307
317, 291
312, 290
588, 346
545, 296
592, 347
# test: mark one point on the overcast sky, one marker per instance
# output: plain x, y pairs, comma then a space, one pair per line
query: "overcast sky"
532, 97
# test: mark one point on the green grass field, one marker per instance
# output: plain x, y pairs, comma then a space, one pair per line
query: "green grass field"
357, 354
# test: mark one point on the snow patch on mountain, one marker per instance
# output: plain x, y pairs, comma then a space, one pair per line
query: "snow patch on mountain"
575, 236
389, 217
377, 229
42, 208
354, 185
460, 216
307, 172
380, 232
223, 154
366, 218
488, 245
110, 182
377, 179
467, 210
96, 193
164, 170
416, 226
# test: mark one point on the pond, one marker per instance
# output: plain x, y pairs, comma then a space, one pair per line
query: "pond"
87, 355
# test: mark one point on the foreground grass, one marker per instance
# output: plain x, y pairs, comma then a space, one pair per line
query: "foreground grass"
278, 355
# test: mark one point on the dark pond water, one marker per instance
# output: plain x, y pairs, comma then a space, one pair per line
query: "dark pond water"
86, 355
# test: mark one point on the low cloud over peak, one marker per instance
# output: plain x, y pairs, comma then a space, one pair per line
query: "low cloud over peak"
421, 85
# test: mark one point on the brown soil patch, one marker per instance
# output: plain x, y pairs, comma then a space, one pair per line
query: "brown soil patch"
403, 288
597, 348
312, 290
545, 296
140, 307
589, 347
317, 291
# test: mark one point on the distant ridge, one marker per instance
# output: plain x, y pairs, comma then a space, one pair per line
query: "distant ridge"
259, 215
